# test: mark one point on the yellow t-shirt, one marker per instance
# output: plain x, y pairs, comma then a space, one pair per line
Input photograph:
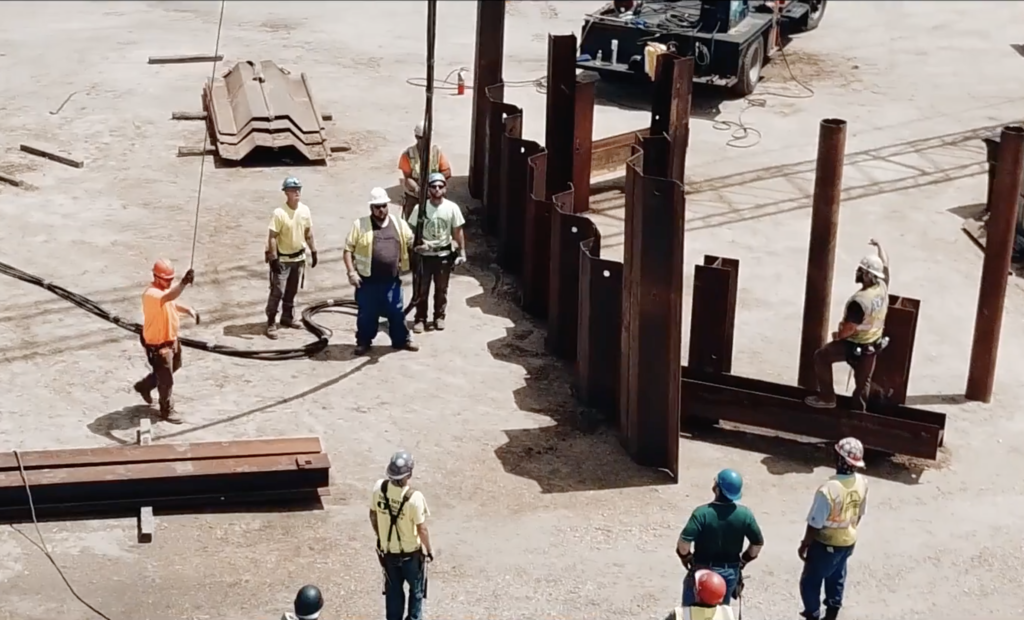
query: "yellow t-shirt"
405, 538
160, 320
291, 226
721, 612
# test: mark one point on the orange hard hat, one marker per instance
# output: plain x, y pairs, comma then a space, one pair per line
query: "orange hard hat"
163, 269
709, 587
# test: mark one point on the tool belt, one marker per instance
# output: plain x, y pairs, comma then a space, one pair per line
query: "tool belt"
441, 252
152, 349
292, 255
855, 351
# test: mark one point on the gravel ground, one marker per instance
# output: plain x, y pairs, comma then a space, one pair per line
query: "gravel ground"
535, 518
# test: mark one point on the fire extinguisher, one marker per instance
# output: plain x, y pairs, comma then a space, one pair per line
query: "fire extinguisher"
461, 87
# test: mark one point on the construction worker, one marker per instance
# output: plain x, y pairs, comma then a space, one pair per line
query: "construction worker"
376, 252
309, 602
409, 164
718, 529
831, 533
398, 515
709, 590
160, 324
290, 233
437, 256
860, 334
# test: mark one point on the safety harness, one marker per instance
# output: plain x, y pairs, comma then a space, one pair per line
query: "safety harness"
393, 515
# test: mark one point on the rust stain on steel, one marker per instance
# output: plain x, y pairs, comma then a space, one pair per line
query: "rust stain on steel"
538, 238
670, 108
599, 351
560, 125
821, 253
568, 232
583, 138
1001, 227
487, 69
777, 407
498, 114
264, 106
610, 154
514, 194
630, 274
713, 314
892, 368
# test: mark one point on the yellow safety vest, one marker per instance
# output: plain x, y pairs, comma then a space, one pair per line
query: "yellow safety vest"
845, 495
875, 302
360, 243
413, 153
721, 612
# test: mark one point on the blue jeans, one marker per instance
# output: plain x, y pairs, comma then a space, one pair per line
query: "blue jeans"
400, 571
824, 565
380, 298
730, 574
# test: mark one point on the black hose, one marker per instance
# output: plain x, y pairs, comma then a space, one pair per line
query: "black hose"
321, 333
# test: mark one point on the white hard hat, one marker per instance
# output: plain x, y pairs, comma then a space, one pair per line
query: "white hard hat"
378, 196
418, 132
852, 451
873, 265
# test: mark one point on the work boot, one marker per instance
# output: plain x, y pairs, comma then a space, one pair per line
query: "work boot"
173, 417
271, 331
439, 325
147, 395
831, 613
362, 349
408, 346
292, 325
418, 327
820, 403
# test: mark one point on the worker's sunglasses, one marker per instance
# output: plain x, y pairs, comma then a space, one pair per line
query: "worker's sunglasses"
383, 206
437, 186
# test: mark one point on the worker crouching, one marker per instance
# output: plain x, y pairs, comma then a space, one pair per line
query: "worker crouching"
409, 164
709, 592
376, 252
719, 530
160, 325
290, 234
860, 336
398, 515
831, 532
437, 256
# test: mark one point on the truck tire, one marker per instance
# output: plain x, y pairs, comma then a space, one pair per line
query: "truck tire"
815, 13
750, 68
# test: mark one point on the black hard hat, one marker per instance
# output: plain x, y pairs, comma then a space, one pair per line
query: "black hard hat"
400, 466
308, 603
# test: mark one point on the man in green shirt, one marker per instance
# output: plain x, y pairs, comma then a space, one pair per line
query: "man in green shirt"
719, 530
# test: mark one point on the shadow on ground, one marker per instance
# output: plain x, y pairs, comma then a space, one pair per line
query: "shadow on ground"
122, 420
574, 453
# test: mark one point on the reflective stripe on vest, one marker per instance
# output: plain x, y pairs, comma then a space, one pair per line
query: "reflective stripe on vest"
875, 302
413, 153
845, 495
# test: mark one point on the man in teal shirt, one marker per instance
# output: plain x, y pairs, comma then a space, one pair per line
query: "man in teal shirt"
719, 530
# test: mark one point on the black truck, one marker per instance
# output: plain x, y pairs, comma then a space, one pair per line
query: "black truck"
730, 40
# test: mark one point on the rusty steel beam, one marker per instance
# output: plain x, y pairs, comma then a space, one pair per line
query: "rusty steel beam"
516, 153
713, 314
772, 406
537, 241
610, 154
821, 254
583, 138
490, 44
670, 108
599, 351
559, 130
497, 113
1001, 227
892, 369
568, 231
630, 275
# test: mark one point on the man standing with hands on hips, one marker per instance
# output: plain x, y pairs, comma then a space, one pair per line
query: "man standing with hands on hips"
290, 233
444, 224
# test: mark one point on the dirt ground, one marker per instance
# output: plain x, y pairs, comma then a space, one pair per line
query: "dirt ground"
535, 518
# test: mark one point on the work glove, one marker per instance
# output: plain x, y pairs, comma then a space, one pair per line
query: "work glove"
354, 279
189, 277
268, 256
195, 316
315, 259
460, 258
430, 557
275, 265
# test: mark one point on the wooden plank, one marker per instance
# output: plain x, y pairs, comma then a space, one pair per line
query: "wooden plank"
12, 180
147, 524
196, 151
77, 457
52, 155
184, 59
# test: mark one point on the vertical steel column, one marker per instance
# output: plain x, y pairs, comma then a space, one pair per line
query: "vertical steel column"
560, 121
490, 44
821, 254
713, 315
1001, 227
583, 139
536, 242
670, 108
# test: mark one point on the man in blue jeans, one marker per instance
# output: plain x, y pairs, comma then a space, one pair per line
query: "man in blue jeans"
719, 530
376, 252
831, 532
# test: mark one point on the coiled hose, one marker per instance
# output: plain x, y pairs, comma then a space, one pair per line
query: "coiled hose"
321, 333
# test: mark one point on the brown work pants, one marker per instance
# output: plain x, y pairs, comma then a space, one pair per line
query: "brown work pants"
436, 269
863, 368
165, 359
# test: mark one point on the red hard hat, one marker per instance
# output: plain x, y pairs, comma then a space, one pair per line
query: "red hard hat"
709, 587
163, 269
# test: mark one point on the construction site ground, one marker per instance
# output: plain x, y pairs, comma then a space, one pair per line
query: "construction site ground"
535, 516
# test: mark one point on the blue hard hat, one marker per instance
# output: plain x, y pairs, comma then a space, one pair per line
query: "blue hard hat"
730, 484
291, 183
435, 177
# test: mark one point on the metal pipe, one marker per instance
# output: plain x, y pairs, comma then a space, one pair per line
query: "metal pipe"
1001, 228
821, 254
